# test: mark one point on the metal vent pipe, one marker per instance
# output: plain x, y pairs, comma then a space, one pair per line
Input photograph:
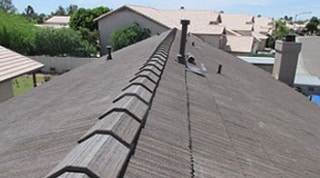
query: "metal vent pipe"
185, 24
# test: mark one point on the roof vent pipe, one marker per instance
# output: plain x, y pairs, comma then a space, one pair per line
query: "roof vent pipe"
109, 52
181, 57
219, 69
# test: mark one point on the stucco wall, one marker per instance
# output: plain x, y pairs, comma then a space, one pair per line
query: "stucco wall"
6, 91
60, 64
214, 40
122, 19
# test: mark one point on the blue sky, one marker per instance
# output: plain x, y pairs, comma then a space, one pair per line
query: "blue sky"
267, 8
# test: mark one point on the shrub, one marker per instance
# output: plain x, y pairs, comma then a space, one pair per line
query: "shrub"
62, 42
126, 36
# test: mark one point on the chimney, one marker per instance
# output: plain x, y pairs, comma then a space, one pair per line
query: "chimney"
181, 56
109, 52
287, 52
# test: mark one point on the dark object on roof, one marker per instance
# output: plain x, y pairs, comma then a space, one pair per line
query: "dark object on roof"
144, 115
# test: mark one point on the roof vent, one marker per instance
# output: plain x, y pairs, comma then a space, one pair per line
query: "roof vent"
193, 67
219, 69
109, 52
181, 56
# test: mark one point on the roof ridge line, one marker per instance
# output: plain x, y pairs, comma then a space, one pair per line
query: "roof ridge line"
113, 138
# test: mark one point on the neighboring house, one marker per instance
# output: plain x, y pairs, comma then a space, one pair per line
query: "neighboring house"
263, 25
240, 45
261, 40
309, 65
13, 65
204, 24
142, 114
239, 23
56, 22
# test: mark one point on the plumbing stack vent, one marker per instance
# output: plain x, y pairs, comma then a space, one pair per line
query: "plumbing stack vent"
109, 52
181, 56
219, 69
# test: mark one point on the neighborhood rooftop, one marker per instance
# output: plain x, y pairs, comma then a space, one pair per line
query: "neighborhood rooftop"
13, 64
212, 27
142, 114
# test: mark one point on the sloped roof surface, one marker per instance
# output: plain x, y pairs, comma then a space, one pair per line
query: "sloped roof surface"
58, 20
310, 55
262, 25
242, 44
13, 64
202, 21
237, 22
159, 120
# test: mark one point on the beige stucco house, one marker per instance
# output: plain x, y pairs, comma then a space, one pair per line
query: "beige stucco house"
56, 22
231, 32
204, 24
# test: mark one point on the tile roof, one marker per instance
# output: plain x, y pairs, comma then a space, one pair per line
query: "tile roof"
237, 22
263, 25
259, 35
241, 44
143, 115
58, 20
13, 64
202, 21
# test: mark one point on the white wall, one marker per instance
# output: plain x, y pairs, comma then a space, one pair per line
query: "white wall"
122, 19
61, 64
6, 90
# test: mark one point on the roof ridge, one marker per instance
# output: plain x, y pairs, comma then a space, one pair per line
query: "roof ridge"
113, 138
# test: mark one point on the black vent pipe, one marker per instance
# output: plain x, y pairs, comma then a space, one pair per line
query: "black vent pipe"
185, 24
109, 52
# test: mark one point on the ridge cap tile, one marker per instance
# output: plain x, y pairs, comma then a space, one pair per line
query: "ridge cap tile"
135, 90
98, 156
150, 86
120, 125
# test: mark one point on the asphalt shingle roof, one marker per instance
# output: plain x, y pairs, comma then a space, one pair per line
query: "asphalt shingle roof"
241, 123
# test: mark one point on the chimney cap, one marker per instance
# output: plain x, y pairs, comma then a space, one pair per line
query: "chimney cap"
185, 22
289, 38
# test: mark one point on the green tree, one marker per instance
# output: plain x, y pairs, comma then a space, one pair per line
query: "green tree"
278, 33
126, 36
72, 9
312, 26
62, 42
83, 18
60, 11
7, 6
17, 33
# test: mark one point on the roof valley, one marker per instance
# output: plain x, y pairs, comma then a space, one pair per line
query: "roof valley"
116, 133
